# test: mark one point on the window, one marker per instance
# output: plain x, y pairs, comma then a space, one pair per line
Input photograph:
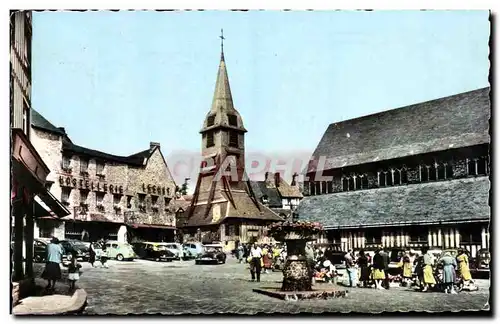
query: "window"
99, 168
373, 236
84, 194
389, 178
364, 181
84, 165
449, 171
65, 195
167, 201
404, 176
265, 200
66, 160
210, 139
433, 172
323, 187
142, 198
129, 202
210, 120
232, 120
318, 187
351, 183
382, 175
116, 199
154, 200
233, 139
357, 182
424, 173
397, 177
345, 184
99, 196
26, 118
482, 166
114, 246
441, 171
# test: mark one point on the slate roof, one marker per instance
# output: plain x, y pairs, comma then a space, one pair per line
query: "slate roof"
273, 196
456, 121
135, 159
444, 201
38, 121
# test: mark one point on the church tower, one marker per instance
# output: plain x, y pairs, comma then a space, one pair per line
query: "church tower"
224, 207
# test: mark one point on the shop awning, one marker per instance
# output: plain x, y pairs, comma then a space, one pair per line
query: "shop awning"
151, 226
48, 205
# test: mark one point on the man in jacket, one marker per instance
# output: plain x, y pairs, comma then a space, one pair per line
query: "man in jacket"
385, 257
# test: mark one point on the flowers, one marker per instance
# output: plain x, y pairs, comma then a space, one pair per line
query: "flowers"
303, 229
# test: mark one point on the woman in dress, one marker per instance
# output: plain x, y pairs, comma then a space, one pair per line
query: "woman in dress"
463, 266
449, 266
428, 274
378, 269
91, 254
364, 269
52, 271
407, 269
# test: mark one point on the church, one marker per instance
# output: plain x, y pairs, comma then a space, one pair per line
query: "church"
224, 207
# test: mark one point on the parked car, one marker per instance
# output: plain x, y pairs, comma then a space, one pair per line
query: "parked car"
154, 251
97, 248
483, 259
213, 254
75, 246
120, 251
192, 250
40, 249
176, 249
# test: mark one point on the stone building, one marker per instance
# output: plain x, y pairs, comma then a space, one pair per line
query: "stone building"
29, 197
407, 177
224, 207
112, 197
277, 194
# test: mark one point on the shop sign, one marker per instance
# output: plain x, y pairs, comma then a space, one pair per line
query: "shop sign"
90, 185
155, 189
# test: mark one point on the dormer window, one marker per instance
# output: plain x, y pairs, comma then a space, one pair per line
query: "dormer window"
210, 120
233, 121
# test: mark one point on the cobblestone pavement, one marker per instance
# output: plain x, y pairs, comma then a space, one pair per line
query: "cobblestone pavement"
182, 287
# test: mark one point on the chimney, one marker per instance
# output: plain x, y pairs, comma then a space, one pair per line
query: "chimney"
277, 179
294, 177
153, 145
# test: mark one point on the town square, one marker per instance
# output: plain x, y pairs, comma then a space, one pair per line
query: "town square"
223, 171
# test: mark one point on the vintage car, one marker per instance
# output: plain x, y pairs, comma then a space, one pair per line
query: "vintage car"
192, 250
176, 249
120, 251
154, 251
75, 246
482, 260
40, 249
213, 254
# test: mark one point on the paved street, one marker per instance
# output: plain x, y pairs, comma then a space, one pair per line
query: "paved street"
179, 287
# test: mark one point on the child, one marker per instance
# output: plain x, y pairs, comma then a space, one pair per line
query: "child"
104, 256
73, 272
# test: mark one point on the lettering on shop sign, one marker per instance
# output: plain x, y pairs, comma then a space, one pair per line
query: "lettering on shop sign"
90, 185
154, 189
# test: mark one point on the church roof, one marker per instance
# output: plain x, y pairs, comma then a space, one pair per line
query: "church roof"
456, 121
448, 201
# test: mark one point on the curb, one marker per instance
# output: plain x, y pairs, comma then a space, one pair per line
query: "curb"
79, 302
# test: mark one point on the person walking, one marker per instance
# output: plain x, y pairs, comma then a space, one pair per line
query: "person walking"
104, 256
463, 265
385, 257
378, 269
240, 253
364, 269
52, 271
449, 265
428, 275
351, 270
92, 254
255, 262
407, 269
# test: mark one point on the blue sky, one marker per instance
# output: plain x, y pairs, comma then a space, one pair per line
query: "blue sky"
117, 81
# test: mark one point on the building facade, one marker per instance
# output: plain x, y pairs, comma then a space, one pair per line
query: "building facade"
405, 178
29, 197
124, 198
274, 192
224, 207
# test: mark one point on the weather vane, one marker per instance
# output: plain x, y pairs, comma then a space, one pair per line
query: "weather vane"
222, 42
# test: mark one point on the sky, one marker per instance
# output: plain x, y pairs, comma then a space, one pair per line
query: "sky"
119, 80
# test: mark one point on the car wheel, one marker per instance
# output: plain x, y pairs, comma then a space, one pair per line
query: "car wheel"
157, 259
119, 257
69, 257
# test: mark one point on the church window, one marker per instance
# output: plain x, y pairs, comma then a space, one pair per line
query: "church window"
210, 139
233, 139
210, 120
233, 121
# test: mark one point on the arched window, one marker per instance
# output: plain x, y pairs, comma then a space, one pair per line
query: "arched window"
364, 181
471, 167
389, 177
397, 177
357, 182
424, 173
404, 175
351, 183
441, 171
433, 172
382, 179
345, 184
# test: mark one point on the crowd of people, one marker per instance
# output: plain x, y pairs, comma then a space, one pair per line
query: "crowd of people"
423, 271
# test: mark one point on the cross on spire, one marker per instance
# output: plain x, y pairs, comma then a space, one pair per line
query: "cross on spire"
222, 44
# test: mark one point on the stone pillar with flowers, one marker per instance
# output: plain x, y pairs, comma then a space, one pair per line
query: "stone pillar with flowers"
297, 273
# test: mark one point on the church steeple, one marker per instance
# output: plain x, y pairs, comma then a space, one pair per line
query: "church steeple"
222, 113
